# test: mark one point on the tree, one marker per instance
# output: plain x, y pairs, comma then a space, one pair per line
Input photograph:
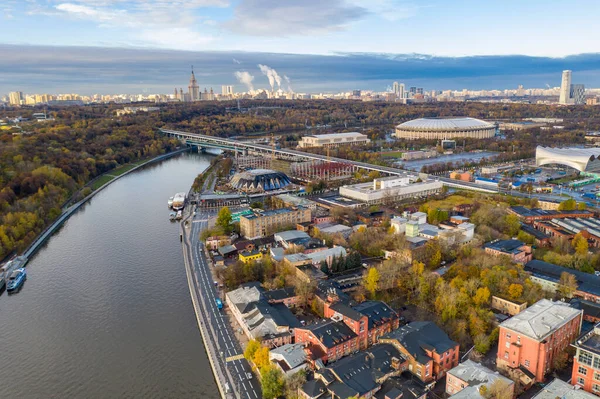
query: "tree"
371, 282
567, 285
261, 358
224, 219
272, 382
525, 237
482, 296
580, 244
581, 206
251, 349
482, 343
515, 291
293, 383
567, 205
499, 389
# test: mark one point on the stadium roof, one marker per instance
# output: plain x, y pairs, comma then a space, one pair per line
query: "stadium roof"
582, 159
445, 124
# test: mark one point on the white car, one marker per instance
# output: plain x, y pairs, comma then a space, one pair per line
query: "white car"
249, 376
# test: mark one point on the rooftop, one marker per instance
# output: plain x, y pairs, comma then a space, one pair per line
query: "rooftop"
586, 282
445, 124
475, 375
339, 135
563, 390
506, 246
331, 333
419, 336
541, 319
293, 354
590, 341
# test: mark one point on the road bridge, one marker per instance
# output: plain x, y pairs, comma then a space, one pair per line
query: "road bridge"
204, 141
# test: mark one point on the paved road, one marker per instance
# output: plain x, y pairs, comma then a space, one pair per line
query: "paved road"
231, 362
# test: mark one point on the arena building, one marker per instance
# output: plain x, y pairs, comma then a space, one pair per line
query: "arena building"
582, 159
445, 128
258, 180
333, 140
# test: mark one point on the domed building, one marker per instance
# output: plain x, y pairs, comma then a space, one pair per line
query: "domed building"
258, 180
445, 128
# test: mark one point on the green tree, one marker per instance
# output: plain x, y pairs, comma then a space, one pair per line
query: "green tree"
224, 219
482, 343
272, 382
567, 205
371, 281
567, 285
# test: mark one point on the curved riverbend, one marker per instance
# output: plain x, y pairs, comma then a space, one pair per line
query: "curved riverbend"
106, 311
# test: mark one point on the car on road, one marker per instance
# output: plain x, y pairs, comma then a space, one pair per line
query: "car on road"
249, 376
227, 389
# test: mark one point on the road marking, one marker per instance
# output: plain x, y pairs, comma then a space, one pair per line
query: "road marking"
234, 358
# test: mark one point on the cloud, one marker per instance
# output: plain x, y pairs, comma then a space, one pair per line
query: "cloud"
292, 17
391, 10
85, 12
236, 61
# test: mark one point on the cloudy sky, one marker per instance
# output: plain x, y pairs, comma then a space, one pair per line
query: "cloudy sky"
304, 36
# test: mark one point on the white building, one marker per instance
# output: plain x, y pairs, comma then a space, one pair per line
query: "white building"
333, 140
391, 189
565, 88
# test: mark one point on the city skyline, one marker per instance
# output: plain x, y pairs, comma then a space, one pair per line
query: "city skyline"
87, 70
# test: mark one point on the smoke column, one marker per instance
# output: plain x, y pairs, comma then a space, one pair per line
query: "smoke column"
267, 72
245, 78
289, 84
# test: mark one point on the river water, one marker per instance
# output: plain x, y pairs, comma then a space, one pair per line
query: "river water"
106, 310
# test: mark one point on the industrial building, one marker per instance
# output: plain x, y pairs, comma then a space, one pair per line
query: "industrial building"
391, 189
445, 128
333, 140
262, 223
582, 159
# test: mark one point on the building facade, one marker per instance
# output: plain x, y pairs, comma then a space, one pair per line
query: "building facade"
260, 224
530, 341
333, 140
586, 363
565, 88
507, 307
464, 380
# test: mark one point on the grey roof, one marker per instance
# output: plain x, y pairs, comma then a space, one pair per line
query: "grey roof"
331, 333
290, 235
227, 249
279, 294
560, 389
586, 282
244, 297
277, 253
506, 246
541, 319
346, 311
293, 354
445, 124
418, 336
475, 375
378, 312
314, 388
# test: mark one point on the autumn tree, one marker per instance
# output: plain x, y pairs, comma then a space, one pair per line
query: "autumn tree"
580, 244
251, 349
371, 281
515, 291
272, 382
567, 285
224, 219
482, 296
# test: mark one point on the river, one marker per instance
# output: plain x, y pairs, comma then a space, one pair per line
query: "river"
106, 311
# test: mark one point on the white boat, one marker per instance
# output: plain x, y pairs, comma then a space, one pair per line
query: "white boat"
170, 202
179, 201
172, 215
179, 215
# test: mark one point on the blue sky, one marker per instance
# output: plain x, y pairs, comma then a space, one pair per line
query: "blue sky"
132, 46
440, 27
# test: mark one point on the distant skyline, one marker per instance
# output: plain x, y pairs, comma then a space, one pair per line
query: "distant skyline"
136, 46
551, 28
86, 70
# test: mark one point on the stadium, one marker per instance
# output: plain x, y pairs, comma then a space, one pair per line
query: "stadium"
582, 159
445, 128
258, 180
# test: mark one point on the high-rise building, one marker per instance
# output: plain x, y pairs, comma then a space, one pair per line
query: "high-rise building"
402, 91
227, 90
396, 88
15, 98
577, 94
193, 88
565, 88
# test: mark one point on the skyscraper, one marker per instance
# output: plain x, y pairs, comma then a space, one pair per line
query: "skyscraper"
402, 90
565, 88
15, 98
577, 94
193, 88
396, 88
227, 90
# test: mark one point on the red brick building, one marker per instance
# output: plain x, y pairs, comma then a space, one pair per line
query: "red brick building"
369, 320
586, 363
328, 341
429, 351
530, 341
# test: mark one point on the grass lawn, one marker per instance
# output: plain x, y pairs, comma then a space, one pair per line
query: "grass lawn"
121, 169
101, 181
392, 154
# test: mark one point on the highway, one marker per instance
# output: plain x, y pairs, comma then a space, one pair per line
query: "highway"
226, 353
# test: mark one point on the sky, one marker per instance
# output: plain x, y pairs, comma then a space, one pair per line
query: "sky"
314, 34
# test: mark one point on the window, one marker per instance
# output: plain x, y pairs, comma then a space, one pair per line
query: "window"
526, 363
582, 370
518, 340
507, 344
595, 388
506, 354
426, 373
585, 358
507, 335
580, 381
596, 362
597, 376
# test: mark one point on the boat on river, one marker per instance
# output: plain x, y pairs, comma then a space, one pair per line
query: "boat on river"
16, 280
179, 215
170, 202
172, 216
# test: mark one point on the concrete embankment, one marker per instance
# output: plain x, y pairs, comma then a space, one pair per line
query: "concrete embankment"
47, 233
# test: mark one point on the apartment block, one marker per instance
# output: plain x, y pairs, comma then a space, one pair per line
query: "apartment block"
263, 223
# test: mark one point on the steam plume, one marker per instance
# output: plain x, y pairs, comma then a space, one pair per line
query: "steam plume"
272, 75
289, 83
245, 78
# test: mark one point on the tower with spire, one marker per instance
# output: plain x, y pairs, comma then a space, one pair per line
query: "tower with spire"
193, 88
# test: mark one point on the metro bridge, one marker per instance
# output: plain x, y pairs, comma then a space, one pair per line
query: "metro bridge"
204, 141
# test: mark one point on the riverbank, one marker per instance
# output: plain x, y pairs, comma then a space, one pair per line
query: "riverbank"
47, 233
